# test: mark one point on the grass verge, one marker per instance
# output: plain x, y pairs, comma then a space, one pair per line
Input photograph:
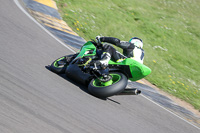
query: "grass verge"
169, 28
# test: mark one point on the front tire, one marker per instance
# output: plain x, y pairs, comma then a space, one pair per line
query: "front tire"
119, 82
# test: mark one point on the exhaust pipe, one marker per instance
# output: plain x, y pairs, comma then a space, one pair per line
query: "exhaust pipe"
130, 92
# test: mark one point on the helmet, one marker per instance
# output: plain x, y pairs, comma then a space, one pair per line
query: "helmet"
136, 41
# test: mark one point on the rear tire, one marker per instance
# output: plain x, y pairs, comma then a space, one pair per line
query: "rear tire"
119, 83
60, 68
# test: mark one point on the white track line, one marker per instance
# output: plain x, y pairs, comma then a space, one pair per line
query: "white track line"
23, 10
170, 111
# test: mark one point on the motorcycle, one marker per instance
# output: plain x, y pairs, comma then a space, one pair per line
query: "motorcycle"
102, 81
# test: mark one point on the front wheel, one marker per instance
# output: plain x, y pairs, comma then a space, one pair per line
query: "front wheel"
113, 87
59, 66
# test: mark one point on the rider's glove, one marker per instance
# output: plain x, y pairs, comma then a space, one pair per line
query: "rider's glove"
98, 39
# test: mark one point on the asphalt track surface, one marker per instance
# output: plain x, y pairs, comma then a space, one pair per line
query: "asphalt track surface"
33, 99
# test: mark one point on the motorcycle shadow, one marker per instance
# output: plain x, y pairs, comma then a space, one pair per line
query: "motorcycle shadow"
81, 86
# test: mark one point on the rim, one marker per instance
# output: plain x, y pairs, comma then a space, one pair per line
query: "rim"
115, 79
56, 63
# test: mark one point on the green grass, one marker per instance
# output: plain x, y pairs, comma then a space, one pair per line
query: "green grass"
170, 31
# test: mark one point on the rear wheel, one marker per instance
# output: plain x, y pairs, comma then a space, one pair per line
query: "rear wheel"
109, 88
59, 66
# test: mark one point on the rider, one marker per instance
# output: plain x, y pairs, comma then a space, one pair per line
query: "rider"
131, 49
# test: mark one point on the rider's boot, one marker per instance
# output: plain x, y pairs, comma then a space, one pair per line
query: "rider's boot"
105, 57
103, 63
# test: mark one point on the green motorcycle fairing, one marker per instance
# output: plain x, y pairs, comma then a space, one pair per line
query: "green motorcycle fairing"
137, 69
88, 46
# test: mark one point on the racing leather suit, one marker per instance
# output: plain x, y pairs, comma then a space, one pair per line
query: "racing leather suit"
129, 49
